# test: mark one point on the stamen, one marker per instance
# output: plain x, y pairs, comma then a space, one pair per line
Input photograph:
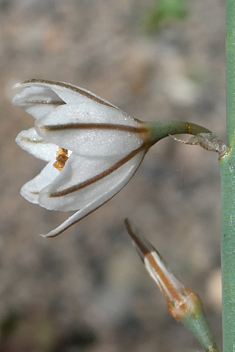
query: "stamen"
61, 158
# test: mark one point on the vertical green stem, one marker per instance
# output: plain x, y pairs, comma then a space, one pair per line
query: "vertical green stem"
227, 168
230, 69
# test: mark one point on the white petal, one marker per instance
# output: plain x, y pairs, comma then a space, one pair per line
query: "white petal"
77, 170
31, 189
66, 92
81, 181
100, 192
90, 129
30, 141
37, 100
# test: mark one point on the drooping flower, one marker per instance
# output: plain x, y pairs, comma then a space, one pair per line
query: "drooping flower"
92, 148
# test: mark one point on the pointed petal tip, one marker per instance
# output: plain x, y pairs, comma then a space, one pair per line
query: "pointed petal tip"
50, 234
26, 82
46, 235
17, 85
126, 221
56, 232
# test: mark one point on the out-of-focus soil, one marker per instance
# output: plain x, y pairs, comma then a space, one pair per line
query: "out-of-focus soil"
87, 290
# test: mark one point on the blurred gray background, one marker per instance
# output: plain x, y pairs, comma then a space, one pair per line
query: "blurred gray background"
87, 290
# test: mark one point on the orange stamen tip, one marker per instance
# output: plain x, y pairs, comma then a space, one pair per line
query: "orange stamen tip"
61, 158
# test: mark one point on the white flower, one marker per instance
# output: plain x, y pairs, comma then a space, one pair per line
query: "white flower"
92, 148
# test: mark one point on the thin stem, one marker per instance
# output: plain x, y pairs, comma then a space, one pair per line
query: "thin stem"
162, 129
228, 250
230, 69
227, 168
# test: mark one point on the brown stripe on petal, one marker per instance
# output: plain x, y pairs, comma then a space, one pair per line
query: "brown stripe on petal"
99, 176
163, 281
73, 88
143, 249
102, 126
46, 102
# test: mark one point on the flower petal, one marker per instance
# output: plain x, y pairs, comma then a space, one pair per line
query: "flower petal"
84, 179
36, 100
91, 129
61, 91
96, 194
30, 141
31, 189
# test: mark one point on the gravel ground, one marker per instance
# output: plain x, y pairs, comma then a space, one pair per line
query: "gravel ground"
87, 290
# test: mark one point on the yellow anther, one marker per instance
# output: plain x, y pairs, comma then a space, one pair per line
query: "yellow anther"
61, 158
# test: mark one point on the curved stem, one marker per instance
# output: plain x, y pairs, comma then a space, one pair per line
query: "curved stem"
162, 129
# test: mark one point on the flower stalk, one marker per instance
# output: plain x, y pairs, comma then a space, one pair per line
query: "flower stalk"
162, 129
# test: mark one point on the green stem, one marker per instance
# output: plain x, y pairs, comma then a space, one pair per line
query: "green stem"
230, 69
162, 129
227, 169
